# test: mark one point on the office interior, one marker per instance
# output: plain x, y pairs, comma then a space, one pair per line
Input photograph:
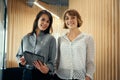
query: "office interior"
101, 19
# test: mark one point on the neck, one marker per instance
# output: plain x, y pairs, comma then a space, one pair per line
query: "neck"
37, 32
74, 31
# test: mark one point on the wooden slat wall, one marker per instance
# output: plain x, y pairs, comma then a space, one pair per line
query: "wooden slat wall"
101, 19
118, 58
20, 22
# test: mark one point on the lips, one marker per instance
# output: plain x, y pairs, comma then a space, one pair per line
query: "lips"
70, 24
43, 26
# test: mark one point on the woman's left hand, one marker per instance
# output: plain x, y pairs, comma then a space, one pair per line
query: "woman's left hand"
40, 66
87, 78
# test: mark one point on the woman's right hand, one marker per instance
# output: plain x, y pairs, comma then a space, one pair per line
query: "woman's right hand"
22, 61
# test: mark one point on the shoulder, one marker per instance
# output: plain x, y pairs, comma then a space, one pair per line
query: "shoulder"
50, 37
27, 36
87, 36
61, 37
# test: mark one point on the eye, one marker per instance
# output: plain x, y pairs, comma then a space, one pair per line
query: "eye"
48, 21
43, 19
73, 17
66, 18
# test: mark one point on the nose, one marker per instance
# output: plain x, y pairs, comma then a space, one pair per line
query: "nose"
70, 20
45, 22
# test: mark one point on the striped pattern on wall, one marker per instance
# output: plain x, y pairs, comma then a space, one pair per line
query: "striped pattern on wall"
102, 19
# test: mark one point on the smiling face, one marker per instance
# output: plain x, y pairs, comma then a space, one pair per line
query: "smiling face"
71, 21
43, 22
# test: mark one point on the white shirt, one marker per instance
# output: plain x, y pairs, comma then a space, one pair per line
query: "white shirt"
75, 59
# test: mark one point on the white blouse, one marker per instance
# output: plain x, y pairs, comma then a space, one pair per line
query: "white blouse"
75, 59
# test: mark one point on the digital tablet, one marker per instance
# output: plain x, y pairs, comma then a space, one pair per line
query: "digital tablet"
31, 57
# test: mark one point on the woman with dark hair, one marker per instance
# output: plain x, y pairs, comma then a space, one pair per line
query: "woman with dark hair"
39, 42
75, 58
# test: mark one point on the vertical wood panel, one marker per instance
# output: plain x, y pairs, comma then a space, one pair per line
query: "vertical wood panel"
103, 23
106, 40
118, 39
20, 19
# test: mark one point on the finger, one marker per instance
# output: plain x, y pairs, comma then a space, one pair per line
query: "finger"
40, 63
36, 63
45, 64
22, 59
23, 63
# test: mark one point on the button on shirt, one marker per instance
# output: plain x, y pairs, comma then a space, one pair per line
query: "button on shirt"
44, 45
75, 59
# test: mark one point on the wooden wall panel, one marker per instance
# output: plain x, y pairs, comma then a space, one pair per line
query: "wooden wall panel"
20, 22
101, 19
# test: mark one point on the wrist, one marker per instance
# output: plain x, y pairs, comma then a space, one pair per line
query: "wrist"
87, 78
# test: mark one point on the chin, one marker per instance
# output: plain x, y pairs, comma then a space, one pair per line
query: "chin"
42, 29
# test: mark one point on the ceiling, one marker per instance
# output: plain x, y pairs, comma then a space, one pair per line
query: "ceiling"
56, 6
56, 2
51, 2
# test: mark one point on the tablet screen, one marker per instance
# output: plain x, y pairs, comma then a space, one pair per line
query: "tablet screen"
31, 57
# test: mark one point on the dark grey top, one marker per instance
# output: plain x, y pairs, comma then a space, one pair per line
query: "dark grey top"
44, 45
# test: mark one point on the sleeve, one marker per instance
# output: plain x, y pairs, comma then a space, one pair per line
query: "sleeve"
20, 52
90, 66
52, 54
57, 58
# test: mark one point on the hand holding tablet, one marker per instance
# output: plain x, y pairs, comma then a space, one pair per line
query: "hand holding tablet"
31, 57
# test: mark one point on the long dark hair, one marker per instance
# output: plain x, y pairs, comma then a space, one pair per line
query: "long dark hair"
35, 24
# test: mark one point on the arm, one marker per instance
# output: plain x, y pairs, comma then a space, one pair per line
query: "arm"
57, 59
90, 67
52, 54
19, 56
